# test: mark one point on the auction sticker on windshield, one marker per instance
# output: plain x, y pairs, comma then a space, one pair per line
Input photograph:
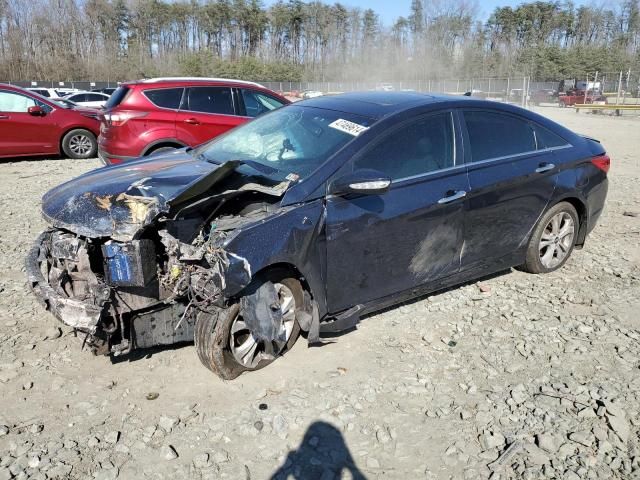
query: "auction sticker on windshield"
348, 127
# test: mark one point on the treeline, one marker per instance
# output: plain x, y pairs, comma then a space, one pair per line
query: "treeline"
296, 40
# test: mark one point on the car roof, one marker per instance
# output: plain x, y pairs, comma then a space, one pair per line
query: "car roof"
373, 104
193, 80
8, 86
378, 104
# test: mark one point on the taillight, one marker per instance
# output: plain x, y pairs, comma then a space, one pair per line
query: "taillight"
603, 162
118, 119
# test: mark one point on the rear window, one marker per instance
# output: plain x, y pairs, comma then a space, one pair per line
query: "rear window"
494, 135
165, 97
117, 97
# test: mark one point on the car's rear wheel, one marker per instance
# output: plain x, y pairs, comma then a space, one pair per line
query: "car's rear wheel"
164, 149
553, 239
225, 344
79, 143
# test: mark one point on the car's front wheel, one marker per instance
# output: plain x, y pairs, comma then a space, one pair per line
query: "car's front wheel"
79, 143
553, 239
226, 345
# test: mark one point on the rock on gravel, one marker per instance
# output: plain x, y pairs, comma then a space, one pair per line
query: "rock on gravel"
169, 452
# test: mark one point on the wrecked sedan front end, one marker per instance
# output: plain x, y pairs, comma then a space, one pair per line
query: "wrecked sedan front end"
133, 248
220, 245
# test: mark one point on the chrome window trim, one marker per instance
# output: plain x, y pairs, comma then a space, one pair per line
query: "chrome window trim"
516, 156
432, 173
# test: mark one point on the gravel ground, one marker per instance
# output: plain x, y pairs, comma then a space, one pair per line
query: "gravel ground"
515, 376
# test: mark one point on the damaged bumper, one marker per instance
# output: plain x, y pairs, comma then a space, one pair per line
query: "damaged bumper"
121, 295
74, 312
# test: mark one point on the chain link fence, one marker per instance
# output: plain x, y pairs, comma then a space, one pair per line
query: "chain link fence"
81, 85
618, 87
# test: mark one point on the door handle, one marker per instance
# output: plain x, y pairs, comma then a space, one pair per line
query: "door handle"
3, 117
192, 121
545, 167
453, 197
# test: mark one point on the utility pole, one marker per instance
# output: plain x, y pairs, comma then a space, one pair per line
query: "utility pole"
626, 86
619, 87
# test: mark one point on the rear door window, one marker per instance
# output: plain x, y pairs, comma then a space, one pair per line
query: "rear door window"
495, 135
165, 97
210, 100
257, 103
117, 97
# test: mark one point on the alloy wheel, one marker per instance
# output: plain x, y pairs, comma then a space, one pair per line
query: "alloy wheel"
246, 349
556, 240
80, 145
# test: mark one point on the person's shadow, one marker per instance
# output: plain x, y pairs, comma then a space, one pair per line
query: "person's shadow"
321, 454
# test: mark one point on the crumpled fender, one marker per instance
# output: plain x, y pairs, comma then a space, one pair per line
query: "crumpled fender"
292, 236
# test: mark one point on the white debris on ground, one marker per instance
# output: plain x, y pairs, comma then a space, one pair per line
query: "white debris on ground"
516, 375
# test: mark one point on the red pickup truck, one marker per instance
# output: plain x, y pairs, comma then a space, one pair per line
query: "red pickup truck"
571, 97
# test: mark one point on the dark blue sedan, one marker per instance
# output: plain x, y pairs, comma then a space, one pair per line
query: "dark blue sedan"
309, 217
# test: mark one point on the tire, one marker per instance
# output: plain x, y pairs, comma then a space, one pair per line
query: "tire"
161, 150
553, 239
213, 335
79, 143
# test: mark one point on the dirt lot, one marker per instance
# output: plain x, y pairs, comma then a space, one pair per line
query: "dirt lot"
540, 372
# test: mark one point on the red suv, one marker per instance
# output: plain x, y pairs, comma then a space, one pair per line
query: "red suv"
167, 113
32, 125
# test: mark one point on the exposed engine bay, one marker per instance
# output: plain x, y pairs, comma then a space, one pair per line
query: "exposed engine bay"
129, 269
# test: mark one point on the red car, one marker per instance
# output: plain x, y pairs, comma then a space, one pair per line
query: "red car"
167, 113
32, 125
572, 97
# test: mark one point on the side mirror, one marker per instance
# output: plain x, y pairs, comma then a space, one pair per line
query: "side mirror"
363, 182
36, 111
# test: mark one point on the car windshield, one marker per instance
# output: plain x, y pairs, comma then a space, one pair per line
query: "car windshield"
292, 140
62, 103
